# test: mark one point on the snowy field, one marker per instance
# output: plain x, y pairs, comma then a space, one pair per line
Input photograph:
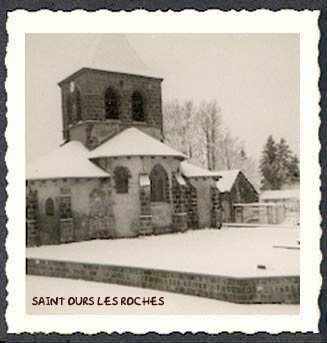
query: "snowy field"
229, 251
174, 304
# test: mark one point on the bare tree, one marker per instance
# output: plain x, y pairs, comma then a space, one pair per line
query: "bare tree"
197, 131
231, 155
210, 123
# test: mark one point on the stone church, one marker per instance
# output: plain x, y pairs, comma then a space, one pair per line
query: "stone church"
113, 175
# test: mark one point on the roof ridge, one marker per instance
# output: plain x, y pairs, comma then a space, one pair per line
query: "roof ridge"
132, 141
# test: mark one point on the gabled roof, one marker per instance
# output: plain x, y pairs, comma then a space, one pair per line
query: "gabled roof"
226, 183
133, 142
67, 161
189, 170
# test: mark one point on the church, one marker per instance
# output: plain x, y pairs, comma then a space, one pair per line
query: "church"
113, 176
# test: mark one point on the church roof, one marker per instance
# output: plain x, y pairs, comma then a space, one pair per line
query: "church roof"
190, 170
226, 183
133, 142
109, 53
67, 161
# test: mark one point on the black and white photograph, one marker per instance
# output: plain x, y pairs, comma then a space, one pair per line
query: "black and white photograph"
162, 173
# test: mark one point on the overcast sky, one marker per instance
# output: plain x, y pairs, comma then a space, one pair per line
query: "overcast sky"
253, 77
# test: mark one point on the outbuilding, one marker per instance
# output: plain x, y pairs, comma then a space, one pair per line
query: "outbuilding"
234, 188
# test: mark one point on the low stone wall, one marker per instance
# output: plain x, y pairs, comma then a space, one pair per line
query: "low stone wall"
281, 289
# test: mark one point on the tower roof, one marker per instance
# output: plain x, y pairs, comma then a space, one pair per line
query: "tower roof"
67, 161
110, 52
133, 142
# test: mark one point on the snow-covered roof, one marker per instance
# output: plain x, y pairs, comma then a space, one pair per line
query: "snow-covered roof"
190, 170
67, 161
280, 194
133, 142
109, 53
227, 180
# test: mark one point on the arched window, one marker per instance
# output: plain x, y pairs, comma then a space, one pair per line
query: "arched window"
69, 109
49, 207
137, 107
78, 103
159, 183
121, 175
111, 104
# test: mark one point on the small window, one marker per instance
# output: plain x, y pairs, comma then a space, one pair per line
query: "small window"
49, 207
69, 109
111, 104
78, 106
137, 107
159, 180
65, 207
121, 180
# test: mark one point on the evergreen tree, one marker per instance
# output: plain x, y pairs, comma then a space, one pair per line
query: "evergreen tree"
278, 165
282, 163
268, 165
294, 170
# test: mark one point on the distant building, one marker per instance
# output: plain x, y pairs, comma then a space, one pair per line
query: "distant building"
289, 199
275, 207
284, 196
113, 176
234, 188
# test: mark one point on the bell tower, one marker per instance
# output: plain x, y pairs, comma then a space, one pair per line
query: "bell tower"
97, 104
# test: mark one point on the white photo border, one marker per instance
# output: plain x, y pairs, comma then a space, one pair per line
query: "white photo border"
262, 21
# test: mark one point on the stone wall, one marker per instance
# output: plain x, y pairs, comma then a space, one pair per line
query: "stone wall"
215, 208
72, 218
93, 133
200, 206
145, 219
227, 210
179, 190
137, 202
32, 236
92, 85
279, 289
192, 206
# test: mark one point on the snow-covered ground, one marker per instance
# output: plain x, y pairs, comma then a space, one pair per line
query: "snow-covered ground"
174, 304
229, 251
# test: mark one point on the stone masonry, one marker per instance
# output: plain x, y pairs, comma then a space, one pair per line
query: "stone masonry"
179, 205
92, 84
251, 290
145, 218
31, 218
191, 206
216, 208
